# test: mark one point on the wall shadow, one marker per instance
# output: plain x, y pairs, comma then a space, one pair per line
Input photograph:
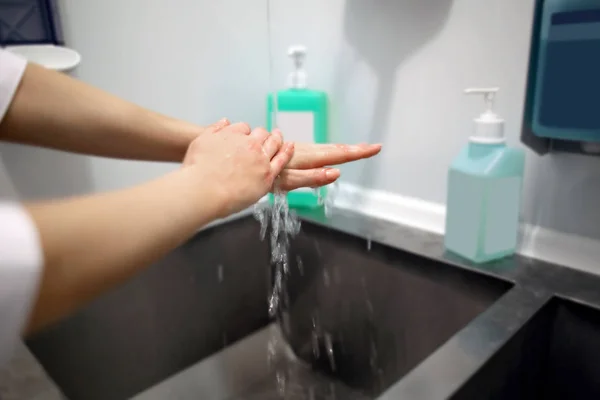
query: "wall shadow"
563, 194
383, 34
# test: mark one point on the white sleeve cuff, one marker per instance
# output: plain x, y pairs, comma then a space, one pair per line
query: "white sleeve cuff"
12, 67
21, 264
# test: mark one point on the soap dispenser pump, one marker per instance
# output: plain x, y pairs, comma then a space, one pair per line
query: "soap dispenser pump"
484, 190
298, 78
489, 127
302, 117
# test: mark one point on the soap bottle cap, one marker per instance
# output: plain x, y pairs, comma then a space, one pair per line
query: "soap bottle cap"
298, 78
489, 127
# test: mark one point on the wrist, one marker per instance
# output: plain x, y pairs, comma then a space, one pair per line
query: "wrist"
208, 196
180, 134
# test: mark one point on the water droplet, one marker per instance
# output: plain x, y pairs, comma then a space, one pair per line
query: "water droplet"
332, 194
369, 244
300, 265
318, 249
319, 193
326, 279
315, 344
373, 357
271, 351
315, 321
315, 336
220, 273
329, 348
281, 383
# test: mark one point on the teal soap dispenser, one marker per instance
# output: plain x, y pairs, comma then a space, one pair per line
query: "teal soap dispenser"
484, 191
301, 114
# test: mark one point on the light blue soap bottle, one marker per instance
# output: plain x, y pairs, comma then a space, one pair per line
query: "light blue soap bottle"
484, 191
302, 116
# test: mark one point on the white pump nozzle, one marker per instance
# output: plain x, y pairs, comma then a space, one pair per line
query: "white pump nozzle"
489, 127
297, 79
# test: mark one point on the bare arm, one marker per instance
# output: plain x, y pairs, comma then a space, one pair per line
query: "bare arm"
93, 243
53, 110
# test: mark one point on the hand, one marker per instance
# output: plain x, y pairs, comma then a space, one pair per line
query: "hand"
312, 155
239, 164
308, 166
305, 169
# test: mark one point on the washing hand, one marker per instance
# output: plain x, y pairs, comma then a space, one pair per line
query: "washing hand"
308, 166
238, 164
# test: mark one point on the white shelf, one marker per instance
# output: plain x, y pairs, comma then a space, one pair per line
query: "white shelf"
58, 58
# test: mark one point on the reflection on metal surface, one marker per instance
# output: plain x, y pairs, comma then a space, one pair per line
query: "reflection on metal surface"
554, 356
246, 371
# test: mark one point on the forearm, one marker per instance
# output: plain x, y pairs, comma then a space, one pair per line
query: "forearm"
92, 244
53, 110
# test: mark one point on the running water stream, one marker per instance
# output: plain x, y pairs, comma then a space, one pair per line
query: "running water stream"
282, 224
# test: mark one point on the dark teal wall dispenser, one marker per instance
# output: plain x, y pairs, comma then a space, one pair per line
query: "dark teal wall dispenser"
563, 91
29, 22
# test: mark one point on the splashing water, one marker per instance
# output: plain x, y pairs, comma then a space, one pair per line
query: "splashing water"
284, 224
328, 200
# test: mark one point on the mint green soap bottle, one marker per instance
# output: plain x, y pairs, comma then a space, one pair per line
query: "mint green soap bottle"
484, 191
302, 118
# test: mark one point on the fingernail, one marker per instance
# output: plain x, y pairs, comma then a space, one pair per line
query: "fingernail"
223, 121
290, 147
332, 173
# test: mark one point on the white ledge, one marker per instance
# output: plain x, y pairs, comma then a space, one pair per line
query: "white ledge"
569, 250
53, 57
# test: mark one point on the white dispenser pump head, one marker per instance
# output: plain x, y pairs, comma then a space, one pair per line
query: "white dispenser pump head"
489, 127
297, 79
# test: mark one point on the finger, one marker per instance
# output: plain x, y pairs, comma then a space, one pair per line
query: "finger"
291, 179
239, 127
217, 126
310, 155
273, 143
281, 159
260, 135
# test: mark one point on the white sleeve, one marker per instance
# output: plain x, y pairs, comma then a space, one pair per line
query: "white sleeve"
21, 262
21, 258
11, 71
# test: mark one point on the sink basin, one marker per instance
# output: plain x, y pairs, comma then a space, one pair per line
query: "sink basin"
359, 317
553, 356
193, 303
378, 311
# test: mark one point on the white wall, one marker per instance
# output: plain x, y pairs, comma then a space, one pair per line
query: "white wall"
186, 58
395, 70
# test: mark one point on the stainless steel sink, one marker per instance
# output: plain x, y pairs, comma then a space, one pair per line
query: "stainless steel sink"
360, 316
378, 311
554, 356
